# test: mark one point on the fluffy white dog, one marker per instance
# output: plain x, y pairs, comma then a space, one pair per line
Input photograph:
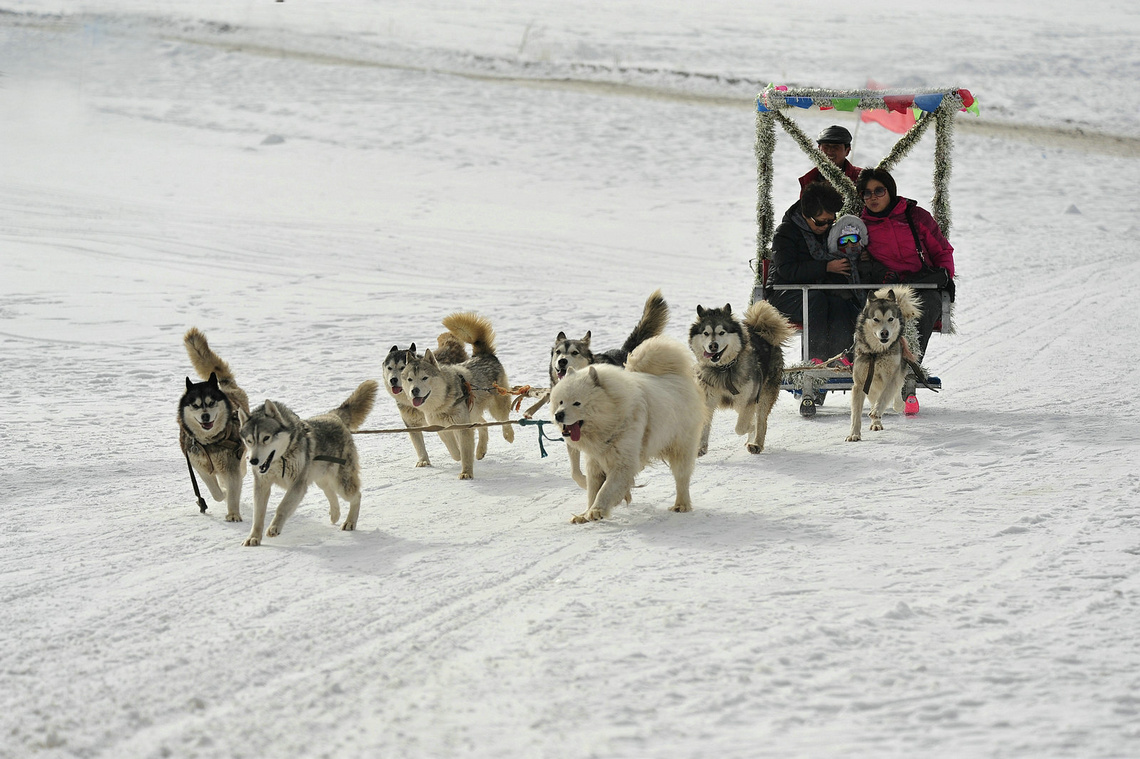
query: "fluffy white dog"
624, 418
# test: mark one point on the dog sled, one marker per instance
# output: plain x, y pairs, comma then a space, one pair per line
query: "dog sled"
934, 107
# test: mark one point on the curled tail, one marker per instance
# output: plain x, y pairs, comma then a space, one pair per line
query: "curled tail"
764, 320
652, 324
206, 362
450, 349
909, 305
474, 330
355, 410
661, 355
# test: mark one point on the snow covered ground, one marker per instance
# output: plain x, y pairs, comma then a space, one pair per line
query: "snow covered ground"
312, 182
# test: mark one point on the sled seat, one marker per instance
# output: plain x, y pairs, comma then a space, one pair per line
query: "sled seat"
762, 291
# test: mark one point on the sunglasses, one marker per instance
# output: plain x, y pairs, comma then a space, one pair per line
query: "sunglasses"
878, 192
824, 223
849, 240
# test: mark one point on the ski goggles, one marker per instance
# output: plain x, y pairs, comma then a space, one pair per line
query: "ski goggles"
849, 240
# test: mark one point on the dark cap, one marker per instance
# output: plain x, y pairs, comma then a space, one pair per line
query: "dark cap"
835, 135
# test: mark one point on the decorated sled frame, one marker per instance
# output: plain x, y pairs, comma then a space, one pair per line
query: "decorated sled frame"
933, 107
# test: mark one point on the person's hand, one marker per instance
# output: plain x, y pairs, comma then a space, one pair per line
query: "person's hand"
839, 266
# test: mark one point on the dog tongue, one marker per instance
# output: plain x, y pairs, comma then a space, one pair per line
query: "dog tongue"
574, 430
396, 390
417, 401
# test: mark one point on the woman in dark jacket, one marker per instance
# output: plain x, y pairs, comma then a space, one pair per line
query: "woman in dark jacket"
800, 256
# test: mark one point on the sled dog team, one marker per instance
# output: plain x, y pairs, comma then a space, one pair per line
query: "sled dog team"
621, 408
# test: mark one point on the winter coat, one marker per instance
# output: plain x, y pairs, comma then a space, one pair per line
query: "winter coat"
891, 241
851, 170
792, 261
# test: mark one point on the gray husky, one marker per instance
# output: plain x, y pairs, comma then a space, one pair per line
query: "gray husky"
456, 394
881, 354
450, 351
208, 424
740, 363
293, 454
574, 355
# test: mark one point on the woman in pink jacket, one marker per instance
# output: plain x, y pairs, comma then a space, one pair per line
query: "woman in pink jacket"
905, 244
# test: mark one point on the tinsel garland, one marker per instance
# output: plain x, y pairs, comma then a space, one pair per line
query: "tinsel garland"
772, 101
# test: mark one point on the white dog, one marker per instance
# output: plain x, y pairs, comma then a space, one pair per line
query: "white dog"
624, 418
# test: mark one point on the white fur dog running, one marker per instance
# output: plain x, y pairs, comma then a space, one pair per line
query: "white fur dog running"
624, 418
880, 349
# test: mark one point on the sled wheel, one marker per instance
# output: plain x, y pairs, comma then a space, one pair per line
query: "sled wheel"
807, 407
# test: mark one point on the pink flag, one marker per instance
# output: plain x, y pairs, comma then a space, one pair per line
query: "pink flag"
899, 118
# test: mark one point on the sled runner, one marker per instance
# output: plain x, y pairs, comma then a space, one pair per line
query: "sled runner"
935, 107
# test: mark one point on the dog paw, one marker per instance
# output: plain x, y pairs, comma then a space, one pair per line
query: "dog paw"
703, 450
681, 508
876, 426
853, 438
466, 475
334, 516
252, 541
273, 531
578, 519
423, 462
753, 448
348, 526
231, 517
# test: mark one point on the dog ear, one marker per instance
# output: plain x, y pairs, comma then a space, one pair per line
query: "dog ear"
189, 384
560, 338
891, 295
412, 349
586, 338
430, 357
270, 409
213, 379
393, 349
728, 308
700, 312
242, 417
594, 376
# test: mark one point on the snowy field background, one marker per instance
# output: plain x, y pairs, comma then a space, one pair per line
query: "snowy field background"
965, 583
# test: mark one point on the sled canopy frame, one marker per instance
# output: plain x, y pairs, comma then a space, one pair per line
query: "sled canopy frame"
937, 107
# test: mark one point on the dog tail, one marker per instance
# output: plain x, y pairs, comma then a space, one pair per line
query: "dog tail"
909, 305
659, 356
764, 320
355, 410
473, 329
206, 362
449, 349
652, 323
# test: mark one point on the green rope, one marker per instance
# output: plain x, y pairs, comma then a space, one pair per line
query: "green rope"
541, 433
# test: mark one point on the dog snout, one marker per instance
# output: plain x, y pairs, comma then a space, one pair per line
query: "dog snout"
253, 460
560, 416
884, 335
562, 363
394, 381
713, 347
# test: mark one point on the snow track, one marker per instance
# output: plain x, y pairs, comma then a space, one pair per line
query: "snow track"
964, 583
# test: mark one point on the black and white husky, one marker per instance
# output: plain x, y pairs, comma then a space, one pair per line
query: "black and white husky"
208, 424
293, 454
881, 354
458, 394
574, 355
740, 363
450, 350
